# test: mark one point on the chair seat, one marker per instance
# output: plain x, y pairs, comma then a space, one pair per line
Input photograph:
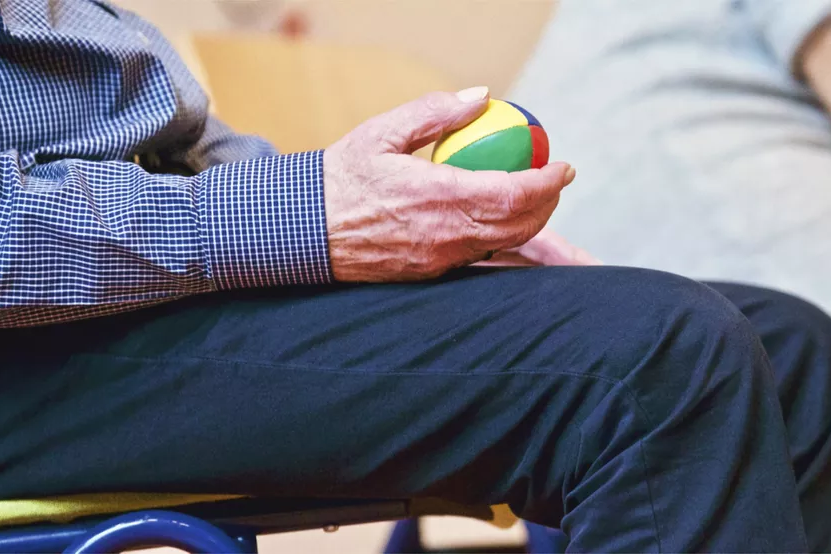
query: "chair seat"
64, 509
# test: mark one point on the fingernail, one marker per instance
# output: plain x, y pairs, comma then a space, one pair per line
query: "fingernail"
571, 173
475, 94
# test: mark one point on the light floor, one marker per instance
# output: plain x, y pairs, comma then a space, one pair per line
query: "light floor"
437, 532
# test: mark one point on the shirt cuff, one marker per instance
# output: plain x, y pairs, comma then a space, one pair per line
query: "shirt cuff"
787, 24
264, 222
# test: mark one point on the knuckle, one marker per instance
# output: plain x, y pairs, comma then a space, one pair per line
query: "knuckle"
517, 199
434, 101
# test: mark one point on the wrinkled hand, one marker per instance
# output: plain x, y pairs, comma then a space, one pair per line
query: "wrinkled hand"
392, 216
546, 248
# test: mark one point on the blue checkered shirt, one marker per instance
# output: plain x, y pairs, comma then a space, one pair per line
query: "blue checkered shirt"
117, 190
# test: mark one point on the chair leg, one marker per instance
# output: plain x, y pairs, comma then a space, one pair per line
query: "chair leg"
405, 538
544, 540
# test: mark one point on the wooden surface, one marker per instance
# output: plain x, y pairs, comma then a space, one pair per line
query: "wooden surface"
304, 95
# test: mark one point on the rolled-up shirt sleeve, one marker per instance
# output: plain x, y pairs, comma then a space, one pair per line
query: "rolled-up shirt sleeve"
787, 24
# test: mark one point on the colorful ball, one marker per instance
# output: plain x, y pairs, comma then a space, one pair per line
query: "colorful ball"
506, 138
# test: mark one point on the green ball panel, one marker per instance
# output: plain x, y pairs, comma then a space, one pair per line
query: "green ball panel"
507, 150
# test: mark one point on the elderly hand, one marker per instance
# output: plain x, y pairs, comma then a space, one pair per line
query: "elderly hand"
392, 216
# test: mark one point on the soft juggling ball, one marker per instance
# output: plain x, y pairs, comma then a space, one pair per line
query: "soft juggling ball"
506, 137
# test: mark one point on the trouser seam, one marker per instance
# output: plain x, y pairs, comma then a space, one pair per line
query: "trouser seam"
639, 409
649, 494
420, 372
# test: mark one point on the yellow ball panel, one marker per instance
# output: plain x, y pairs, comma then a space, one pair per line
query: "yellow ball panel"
498, 116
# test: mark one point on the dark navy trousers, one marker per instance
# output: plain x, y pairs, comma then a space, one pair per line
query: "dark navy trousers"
637, 410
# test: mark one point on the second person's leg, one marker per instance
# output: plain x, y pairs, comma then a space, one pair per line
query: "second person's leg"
797, 338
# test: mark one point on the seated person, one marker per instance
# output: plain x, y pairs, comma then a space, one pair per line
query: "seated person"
186, 310
698, 126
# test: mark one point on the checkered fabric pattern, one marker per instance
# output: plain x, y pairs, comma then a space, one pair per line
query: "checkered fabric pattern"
118, 190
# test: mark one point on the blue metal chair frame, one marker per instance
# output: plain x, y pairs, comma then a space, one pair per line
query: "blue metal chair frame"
232, 527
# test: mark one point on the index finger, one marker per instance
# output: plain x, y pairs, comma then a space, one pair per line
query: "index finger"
502, 195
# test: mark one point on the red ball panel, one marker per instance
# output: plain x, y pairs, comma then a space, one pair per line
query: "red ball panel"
539, 144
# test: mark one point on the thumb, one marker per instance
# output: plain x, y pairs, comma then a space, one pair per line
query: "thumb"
418, 123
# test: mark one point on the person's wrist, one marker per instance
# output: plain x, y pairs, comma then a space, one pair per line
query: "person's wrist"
334, 207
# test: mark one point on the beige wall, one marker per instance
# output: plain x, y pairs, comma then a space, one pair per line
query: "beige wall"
472, 42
